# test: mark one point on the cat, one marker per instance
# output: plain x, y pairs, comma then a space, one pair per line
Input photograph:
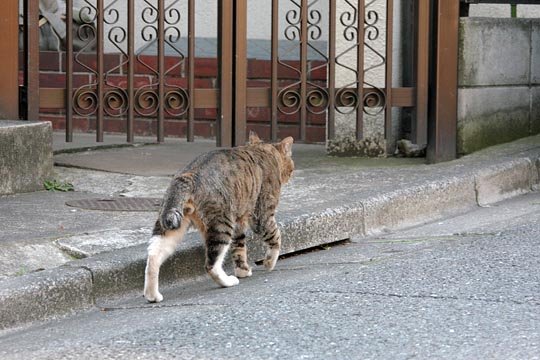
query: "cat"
222, 193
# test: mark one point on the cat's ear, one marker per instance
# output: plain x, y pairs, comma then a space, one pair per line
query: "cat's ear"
286, 145
254, 138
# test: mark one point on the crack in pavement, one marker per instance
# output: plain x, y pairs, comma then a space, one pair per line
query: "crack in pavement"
430, 296
154, 306
437, 238
306, 266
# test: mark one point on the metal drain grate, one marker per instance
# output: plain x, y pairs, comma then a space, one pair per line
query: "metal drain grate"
117, 204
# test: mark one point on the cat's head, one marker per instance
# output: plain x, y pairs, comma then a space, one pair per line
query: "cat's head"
284, 147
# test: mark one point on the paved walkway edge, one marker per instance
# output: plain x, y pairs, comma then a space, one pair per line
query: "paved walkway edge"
84, 283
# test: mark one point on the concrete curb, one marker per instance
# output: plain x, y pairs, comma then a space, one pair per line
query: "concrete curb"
83, 283
506, 180
41, 295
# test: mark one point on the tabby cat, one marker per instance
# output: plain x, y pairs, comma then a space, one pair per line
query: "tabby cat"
222, 193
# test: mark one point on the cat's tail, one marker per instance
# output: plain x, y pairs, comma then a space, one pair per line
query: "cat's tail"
174, 205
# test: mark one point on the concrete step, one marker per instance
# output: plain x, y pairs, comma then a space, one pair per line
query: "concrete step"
26, 155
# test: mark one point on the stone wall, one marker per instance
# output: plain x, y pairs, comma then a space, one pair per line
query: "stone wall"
499, 81
503, 10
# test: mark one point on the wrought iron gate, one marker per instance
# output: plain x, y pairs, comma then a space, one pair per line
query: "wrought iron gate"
297, 95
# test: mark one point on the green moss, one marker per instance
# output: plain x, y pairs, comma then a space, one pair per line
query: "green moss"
461, 51
491, 129
22, 271
349, 146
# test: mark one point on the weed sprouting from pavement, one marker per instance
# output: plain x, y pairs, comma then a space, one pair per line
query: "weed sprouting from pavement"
55, 185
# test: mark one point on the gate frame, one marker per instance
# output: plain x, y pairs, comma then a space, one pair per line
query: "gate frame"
233, 65
232, 98
442, 140
9, 37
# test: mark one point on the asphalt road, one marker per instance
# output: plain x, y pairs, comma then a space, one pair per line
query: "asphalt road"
463, 288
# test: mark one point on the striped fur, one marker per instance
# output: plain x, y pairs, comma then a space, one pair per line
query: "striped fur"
221, 193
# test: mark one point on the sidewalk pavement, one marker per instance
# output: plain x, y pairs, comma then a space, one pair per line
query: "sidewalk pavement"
56, 259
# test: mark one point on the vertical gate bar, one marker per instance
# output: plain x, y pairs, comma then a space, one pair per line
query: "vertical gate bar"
31, 75
442, 135
419, 130
131, 70
240, 72
331, 131
360, 70
161, 70
389, 64
303, 68
191, 71
9, 64
100, 69
69, 71
225, 69
274, 82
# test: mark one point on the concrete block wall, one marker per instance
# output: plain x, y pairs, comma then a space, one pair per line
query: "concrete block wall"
503, 10
499, 81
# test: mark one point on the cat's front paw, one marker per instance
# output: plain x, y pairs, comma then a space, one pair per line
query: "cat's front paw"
153, 297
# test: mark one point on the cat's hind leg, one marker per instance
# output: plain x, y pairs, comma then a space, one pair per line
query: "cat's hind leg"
239, 251
218, 239
161, 247
272, 238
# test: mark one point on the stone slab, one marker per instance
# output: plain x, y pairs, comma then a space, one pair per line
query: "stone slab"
89, 244
27, 256
489, 116
166, 159
494, 51
159, 160
25, 155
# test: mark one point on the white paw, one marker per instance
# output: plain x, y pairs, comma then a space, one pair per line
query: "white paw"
153, 297
229, 281
241, 273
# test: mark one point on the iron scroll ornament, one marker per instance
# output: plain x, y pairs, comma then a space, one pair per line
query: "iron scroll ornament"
290, 100
85, 98
115, 98
115, 101
347, 98
176, 99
